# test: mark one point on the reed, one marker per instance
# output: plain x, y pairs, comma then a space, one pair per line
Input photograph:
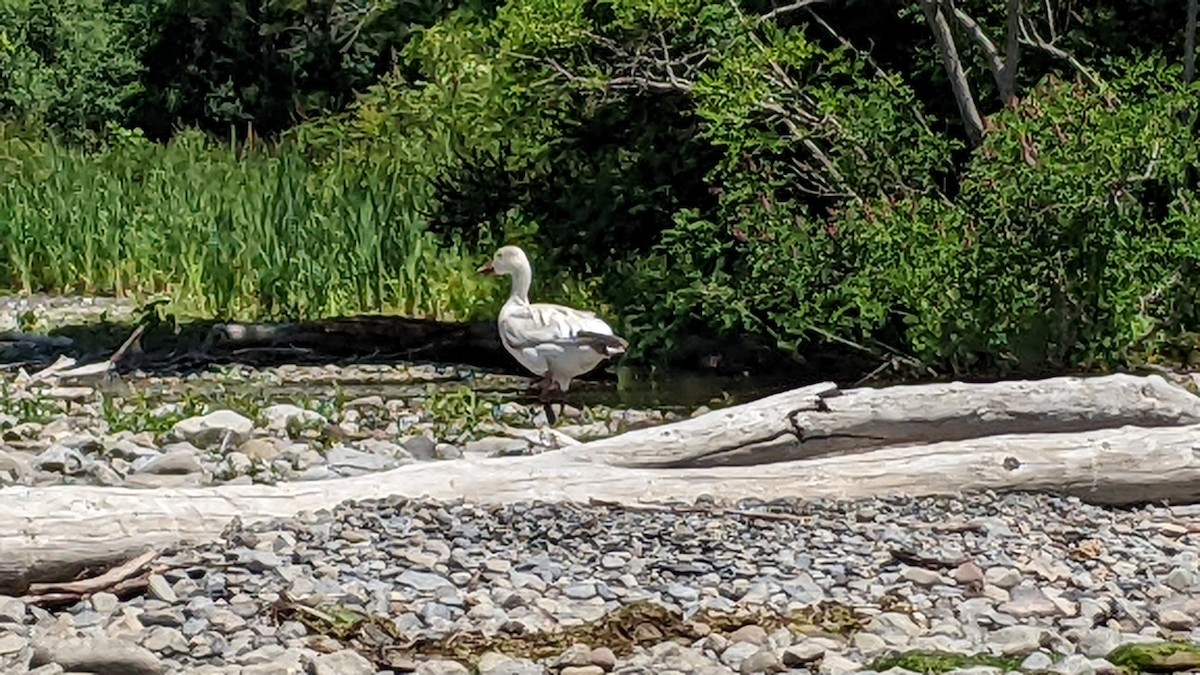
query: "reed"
230, 231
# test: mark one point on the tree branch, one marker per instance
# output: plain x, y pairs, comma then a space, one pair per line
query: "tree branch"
1004, 69
954, 70
1030, 37
1012, 50
788, 9
1189, 43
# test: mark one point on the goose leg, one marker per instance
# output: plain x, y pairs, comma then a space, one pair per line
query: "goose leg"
546, 398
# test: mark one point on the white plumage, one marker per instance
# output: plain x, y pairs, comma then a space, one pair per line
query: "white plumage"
554, 342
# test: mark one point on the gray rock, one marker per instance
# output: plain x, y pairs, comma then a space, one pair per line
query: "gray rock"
103, 602
585, 590
172, 463
128, 450
11, 643
99, 655
161, 588
225, 620
762, 661
870, 645
497, 445
603, 657
220, 427
441, 667
420, 447
1182, 579
352, 462
736, 653
582, 670
1004, 577
12, 467
1099, 642
922, 576
1015, 640
425, 582
683, 593
162, 639
495, 663
280, 416
259, 561
1173, 619
12, 610
1028, 600
800, 655
893, 627
1075, 664
344, 662
836, 664
1037, 661
62, 459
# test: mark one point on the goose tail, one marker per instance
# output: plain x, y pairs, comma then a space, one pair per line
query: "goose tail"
608, 345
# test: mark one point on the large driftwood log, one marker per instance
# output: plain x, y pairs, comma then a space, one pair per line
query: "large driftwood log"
943, 439
820, 420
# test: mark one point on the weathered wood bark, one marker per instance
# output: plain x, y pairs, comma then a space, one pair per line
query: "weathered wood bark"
951, 61
1189, 42
819, 420
945, 439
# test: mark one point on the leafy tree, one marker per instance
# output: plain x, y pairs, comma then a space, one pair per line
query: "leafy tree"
68, 64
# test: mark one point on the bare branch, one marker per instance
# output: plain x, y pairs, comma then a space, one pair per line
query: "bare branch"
1004, 68
1012, 50
1030, 37
788, 9
866, 56
1189, 43
954, 70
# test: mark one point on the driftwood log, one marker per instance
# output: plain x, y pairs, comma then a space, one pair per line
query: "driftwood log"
1114, 440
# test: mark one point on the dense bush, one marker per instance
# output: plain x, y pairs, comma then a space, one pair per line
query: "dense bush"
69, 64
692, 169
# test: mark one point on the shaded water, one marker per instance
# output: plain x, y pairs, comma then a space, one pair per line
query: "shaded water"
678, 391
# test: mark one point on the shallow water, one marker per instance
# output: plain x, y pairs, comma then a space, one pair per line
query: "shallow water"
678, 391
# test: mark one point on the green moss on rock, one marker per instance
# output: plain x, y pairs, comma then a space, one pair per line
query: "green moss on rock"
1156, 657
922, 661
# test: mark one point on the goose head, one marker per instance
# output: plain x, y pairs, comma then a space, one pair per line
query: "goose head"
508, 261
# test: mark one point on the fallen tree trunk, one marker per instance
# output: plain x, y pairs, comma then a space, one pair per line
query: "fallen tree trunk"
51, 533
945, 439
820, 420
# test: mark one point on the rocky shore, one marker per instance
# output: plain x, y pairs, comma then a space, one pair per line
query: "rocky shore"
291, 423
982, 584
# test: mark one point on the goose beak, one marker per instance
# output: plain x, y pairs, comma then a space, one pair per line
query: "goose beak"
486, 269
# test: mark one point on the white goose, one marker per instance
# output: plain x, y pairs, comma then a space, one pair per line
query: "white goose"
554, 342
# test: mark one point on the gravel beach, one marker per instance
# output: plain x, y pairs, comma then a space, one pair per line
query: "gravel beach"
979, 584
1016, 582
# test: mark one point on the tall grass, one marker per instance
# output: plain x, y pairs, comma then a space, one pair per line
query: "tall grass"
228, 232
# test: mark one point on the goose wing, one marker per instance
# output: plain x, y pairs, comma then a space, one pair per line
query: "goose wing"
543, 324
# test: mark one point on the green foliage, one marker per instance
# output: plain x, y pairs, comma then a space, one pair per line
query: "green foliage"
69, 64
1071, 243
269, 63
251, 234
691, 169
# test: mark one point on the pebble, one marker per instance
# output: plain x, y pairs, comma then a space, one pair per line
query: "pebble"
437, 569
1030, 590
343, 662
112, 441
